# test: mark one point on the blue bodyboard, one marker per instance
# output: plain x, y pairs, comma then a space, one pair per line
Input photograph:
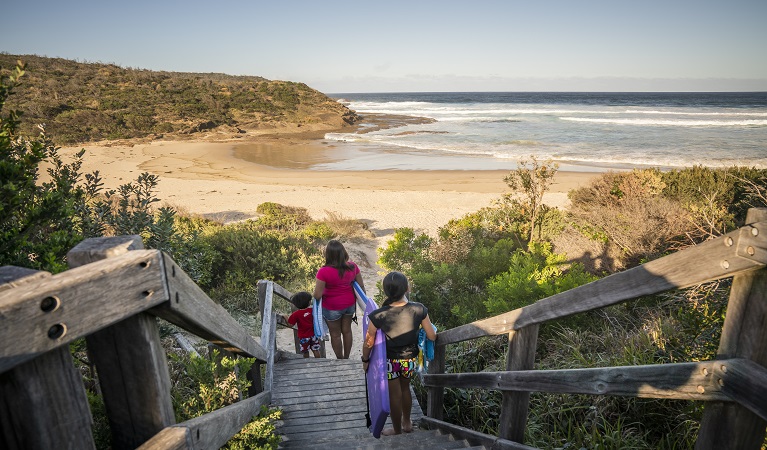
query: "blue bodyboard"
377, 384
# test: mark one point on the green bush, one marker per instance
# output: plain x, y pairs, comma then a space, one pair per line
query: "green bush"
206, 385
533, 275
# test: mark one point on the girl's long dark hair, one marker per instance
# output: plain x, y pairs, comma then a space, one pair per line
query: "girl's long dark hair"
394, 286
336, 256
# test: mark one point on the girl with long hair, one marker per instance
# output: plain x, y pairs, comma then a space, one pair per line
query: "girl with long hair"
334, 287
400, 320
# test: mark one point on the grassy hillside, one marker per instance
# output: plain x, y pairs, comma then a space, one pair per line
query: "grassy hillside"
86, 102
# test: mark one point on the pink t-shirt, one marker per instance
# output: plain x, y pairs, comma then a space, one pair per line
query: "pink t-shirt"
338, 293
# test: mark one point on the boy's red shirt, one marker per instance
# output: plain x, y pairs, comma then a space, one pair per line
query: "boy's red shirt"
303, 317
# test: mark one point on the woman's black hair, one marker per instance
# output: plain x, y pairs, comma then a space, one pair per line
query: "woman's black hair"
394, 286
336, 256
301, 299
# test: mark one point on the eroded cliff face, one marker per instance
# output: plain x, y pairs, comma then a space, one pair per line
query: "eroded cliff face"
88, 102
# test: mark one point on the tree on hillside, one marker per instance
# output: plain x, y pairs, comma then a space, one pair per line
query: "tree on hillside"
528, 183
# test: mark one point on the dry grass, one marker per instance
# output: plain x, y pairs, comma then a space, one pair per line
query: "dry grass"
347, 229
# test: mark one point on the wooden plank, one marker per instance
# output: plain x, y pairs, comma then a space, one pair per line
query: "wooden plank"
268, 334
744, 335
99, 248
326, 438
130, 361
35, 395
685, 381
291, 388
435, 399
171, 438
319, 399
514, 404
135, 383
714, 259
215, 428
475, 437
745, 382
190, 308
298, 412
326, 426
282, 292
12, 276
270, 353
185, 345
64, 307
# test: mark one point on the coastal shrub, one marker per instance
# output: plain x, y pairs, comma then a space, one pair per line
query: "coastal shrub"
528, 183
717, 199
406, 252
346, 229
203, 385
246, 253
532, 275
280, 217
629, 209
448, 274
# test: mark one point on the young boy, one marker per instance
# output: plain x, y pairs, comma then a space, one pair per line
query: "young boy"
303, 317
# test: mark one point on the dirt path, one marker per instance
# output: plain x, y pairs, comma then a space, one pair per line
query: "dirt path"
366, 256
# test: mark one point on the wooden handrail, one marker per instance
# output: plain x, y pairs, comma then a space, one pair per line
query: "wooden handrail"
737, 379
211, 430
110, 296
72, 302
718, 258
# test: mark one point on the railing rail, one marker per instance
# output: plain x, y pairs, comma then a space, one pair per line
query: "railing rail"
111, 295
734, 384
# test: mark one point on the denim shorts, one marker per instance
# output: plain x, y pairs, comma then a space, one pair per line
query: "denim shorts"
332, 316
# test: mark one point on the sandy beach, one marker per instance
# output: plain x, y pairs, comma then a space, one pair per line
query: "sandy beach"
227, 180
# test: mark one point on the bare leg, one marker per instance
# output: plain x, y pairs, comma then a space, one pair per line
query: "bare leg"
306, 355
316, 353
395, 407
407, 404
346, 331
334, 328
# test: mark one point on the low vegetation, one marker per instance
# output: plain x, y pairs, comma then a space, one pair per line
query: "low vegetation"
85, 102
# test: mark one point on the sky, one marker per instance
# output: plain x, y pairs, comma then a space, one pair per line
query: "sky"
414, 46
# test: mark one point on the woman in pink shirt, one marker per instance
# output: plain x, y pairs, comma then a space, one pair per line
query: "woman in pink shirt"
334, 286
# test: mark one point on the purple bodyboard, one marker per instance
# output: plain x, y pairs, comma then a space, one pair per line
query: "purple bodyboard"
377, 385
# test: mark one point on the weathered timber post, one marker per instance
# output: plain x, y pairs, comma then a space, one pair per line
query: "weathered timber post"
37, 394
744, 335
435, 399
254, 375
268, 330
520, 356
130, 361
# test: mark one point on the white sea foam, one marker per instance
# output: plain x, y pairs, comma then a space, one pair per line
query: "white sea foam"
692, 113
661, 131
677, 123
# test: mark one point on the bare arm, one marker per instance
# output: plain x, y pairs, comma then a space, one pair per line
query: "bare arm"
319, 288
430, 333
370, 340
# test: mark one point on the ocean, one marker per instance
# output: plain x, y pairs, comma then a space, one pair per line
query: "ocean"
579, 131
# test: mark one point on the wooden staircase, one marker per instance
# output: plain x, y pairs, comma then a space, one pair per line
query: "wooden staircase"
323, 406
